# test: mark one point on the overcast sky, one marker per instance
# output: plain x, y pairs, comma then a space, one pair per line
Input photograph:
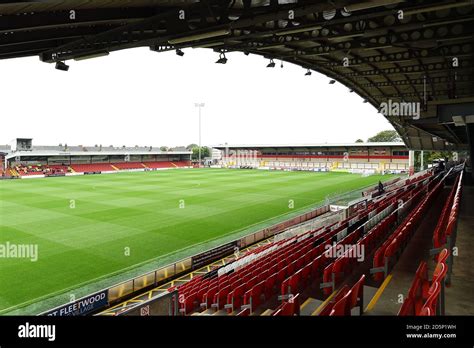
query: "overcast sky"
140, 97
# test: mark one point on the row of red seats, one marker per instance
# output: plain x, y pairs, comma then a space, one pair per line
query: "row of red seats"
300, 279
255, 288
102, 167
273, 266
449, 214
92, 167
335, 272
196, 281
426, 297
403, 193
229, 289
182, 164
40, 169
203, 289
343, 266
128, 165
395, 188
384, 256
311, 259
293, 277
328, 257
159, 164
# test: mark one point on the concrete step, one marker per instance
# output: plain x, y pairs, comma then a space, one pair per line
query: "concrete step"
309, 306
369, 293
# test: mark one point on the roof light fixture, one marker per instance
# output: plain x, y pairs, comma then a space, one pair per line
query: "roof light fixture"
222, 59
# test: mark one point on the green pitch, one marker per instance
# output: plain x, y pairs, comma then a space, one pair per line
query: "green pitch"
89, 227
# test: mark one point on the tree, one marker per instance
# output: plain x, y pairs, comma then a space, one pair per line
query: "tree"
164, 148
432, 155
359, 141
191, 146
385, 136
205, 152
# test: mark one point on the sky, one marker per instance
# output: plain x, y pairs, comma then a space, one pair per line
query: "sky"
140, 97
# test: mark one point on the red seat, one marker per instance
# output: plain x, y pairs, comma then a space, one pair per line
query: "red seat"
327, 278
356, 298
281, 275
407, 308
432, 301
253, 297
341, 308
379, 261
188, 303
270, 285
316, 266
440, 272
295, 283
235, 298
326, 310
208, 296
252, 282
263, 275
220, 297
340, 267
443, 255
306, 274
289, 308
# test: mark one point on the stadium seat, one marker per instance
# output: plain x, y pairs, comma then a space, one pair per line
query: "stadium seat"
235, 298
289, 308
220, 297
326, 310
356, 298
253, 297
431, 304
341, 307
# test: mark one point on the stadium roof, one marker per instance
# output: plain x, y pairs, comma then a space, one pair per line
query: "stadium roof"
273, 146
383, 50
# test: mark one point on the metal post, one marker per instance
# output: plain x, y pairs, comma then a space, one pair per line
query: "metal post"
411, 162
199, 136
199, 105
421, 160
